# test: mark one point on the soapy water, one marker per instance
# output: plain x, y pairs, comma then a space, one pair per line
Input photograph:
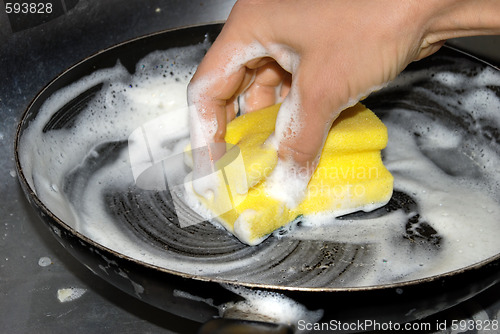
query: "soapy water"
268, 306
84, 162
65, 295
258, 305
44, 261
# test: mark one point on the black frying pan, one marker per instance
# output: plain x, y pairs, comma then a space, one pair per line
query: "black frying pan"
326, 269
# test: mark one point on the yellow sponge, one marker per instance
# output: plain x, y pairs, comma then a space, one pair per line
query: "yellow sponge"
350, 175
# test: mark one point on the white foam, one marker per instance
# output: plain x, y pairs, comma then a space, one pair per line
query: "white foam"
450, 79
44, 261
65, 295
286, 184
269, 306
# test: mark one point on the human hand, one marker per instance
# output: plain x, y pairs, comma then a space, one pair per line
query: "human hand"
321, 57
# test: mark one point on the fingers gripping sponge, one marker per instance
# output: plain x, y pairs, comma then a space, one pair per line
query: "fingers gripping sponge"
350, 175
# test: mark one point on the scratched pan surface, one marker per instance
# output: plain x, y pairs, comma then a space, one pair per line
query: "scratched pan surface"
146, 222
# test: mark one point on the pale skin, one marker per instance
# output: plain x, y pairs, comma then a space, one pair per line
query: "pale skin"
322, 56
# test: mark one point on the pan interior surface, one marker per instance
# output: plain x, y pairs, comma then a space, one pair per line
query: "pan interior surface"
104, 154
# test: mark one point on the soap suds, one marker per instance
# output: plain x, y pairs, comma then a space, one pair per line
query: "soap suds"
268, 306
133, 122
286, 184
65, 295
44, 261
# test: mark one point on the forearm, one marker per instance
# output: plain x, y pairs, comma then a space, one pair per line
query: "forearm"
460, 18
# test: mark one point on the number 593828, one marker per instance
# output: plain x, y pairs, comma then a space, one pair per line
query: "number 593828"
28, 8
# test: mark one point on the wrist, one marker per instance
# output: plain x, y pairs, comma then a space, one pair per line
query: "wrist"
459, 18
